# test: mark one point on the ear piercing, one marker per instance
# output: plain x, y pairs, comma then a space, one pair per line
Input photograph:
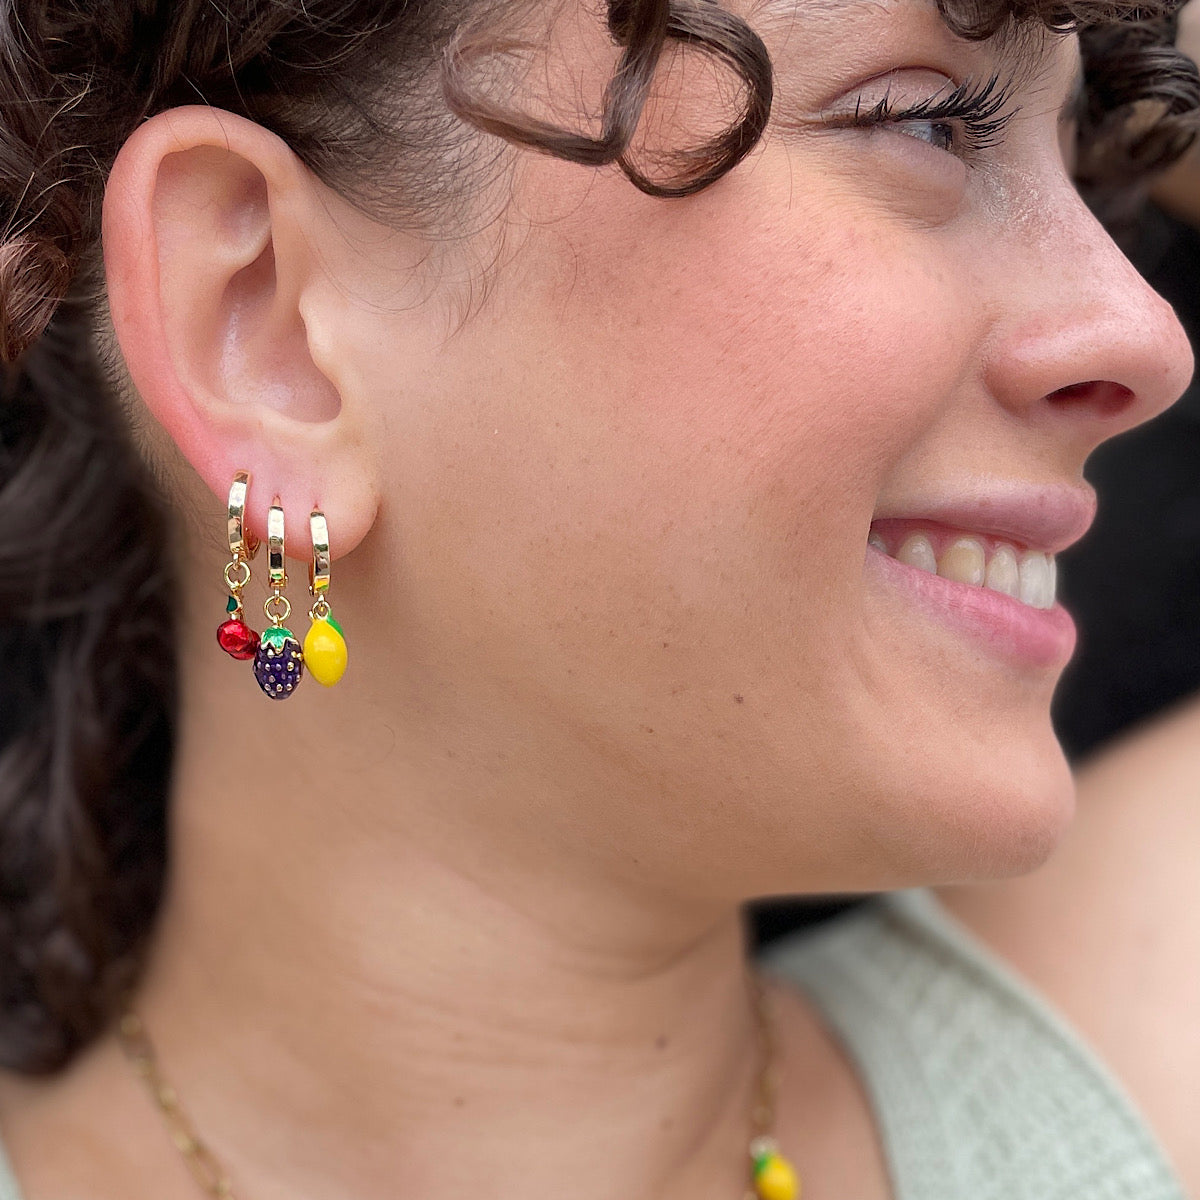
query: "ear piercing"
279, 660
236, 638
324, 644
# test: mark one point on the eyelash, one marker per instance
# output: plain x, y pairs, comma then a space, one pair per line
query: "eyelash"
982, 109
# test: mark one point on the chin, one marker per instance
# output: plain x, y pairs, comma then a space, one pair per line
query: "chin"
1005, 823
984, 810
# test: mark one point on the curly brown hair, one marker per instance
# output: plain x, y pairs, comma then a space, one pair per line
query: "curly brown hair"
353, 86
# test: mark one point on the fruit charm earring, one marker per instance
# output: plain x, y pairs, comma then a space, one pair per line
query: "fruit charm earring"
279, 663
236, 638
324, 644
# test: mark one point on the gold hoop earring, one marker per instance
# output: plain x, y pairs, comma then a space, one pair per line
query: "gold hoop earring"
234, 636
279, 662
325, 643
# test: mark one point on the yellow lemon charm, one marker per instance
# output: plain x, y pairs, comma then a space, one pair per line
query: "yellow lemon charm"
775, 1177
325, 653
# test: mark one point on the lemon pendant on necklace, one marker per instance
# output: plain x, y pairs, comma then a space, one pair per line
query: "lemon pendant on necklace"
774, 1177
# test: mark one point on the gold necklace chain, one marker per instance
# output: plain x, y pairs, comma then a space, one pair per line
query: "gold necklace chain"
208, 1172
771, 1176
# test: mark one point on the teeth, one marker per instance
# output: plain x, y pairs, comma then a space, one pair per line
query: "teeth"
1030, 577
917, 551
1002, 573
1037, 582
963, 561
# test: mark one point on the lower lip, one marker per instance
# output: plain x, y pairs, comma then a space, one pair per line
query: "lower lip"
1039, 637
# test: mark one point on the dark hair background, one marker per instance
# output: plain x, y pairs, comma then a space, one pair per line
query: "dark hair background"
354, 86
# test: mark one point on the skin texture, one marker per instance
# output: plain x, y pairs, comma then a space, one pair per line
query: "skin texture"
599, 478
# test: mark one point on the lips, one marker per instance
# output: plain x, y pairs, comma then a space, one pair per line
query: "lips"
975, 570
1047, 518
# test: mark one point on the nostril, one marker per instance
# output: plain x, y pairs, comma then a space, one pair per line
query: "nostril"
1104, 398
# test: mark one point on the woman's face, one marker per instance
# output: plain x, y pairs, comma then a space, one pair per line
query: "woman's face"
633, 500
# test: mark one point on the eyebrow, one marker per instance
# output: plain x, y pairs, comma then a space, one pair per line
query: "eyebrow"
1012, 49
778, 10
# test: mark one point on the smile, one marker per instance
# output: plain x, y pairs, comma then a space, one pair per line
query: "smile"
984, 565
975, 559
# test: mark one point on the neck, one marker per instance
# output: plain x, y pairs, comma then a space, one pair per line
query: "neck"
356, 995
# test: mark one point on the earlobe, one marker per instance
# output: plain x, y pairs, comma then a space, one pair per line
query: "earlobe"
217, 300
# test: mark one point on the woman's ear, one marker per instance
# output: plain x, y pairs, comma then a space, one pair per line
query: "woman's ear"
229, 322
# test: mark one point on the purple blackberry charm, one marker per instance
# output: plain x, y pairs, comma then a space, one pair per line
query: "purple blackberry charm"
279, 663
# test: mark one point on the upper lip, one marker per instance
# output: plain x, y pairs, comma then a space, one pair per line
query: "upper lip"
1047, 517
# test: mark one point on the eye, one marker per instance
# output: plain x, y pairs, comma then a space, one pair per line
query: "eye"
936, 133
964, 122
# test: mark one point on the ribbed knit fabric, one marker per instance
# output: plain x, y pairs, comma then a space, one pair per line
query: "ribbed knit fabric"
980, 1090
8, 1182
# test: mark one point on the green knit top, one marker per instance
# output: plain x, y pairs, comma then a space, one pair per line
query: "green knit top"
979, 1089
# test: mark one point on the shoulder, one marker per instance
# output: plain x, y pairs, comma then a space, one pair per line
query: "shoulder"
79, 1131
977, 1082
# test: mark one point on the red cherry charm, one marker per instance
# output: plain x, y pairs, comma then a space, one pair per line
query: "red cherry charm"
238, 639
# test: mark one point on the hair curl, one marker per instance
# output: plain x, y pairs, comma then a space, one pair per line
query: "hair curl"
353, 86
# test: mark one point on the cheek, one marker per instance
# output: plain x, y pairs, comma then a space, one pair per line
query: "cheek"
762, 374
663, 484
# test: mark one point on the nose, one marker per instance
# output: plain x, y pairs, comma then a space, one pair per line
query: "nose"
1082, 345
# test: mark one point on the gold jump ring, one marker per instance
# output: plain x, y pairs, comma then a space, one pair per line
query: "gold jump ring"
236, 585
272, 608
